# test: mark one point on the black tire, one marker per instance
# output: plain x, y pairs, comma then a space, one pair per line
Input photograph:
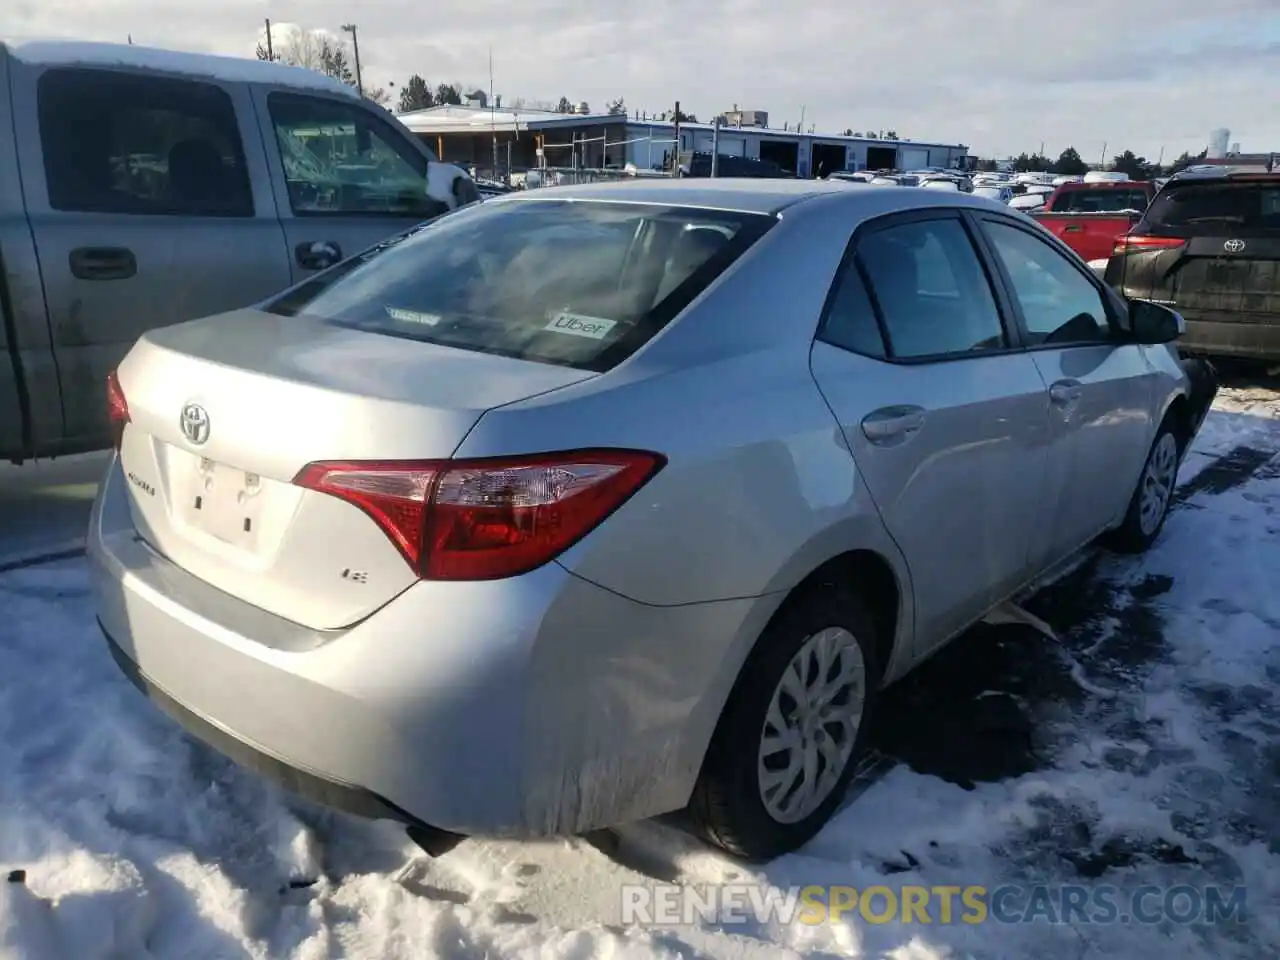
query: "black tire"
1133, 536
726, 808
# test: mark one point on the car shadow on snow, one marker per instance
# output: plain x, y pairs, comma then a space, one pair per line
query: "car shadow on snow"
1002, 700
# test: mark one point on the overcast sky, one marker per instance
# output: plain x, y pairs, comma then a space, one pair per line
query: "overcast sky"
1000, 75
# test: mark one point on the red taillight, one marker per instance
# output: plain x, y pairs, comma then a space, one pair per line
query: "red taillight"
486, 519
1132, 244
117, 409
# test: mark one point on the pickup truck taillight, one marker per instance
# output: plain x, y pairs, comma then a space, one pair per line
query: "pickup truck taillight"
117, 408
1130, 244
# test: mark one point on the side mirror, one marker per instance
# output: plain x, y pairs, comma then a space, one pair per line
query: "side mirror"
1152, 323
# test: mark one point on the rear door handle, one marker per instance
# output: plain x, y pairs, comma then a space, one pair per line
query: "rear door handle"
1064, 393
891, 425
102, 263
317, 254
1073, 228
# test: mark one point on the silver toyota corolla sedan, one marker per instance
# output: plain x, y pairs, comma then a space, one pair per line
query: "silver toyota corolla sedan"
587, 504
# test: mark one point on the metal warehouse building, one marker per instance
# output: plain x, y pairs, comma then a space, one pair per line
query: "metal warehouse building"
529, 139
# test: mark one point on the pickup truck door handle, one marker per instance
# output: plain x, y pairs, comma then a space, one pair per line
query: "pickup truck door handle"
1065, 393
102, 263
890, 426
317, 254
1073, 228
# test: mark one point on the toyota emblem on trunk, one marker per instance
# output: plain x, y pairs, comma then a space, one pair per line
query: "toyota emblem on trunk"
195, 423
1233, 246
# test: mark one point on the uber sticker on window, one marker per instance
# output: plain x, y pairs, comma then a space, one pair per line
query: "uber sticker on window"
413, 316
578, 325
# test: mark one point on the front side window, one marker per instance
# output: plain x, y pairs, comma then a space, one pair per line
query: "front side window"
1059, 304
576, 283
931, 289
342, 159
124, 143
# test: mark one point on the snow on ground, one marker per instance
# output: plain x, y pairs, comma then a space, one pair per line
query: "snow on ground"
1140, 747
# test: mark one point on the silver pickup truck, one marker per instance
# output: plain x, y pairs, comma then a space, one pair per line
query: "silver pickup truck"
140, 188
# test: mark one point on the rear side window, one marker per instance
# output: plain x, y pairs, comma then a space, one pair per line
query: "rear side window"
1212, 209
576, 283
124, 143
850, 321
931, 290
1105, 200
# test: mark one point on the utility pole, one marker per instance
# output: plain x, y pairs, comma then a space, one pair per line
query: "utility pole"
271, 54
715, 147
493, 119
675, 154
355, 49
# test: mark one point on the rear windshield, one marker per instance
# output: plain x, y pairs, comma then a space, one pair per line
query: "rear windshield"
1209, 209
1106, 200
576, 283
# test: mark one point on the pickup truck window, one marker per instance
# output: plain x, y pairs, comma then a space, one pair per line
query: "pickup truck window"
1106, 200
145, 145
1059, 304
340, 158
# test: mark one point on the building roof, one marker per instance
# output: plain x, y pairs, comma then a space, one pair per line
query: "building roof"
454, 119
774, 133
751, 195
1260, 160
451, 119
66, 53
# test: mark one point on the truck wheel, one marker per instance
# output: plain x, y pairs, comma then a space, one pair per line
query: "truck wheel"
795, 724
1153, 496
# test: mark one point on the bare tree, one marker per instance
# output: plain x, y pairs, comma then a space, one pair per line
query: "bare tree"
304, 48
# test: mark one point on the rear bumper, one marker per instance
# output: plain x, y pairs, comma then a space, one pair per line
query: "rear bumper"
313, 786
534, 706
1249, 339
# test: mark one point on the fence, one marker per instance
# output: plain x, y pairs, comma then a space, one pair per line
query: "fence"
493, 182
582, 160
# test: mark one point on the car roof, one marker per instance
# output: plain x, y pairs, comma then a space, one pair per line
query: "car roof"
762, 196
68, 53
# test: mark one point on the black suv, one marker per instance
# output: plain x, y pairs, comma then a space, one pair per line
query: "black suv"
1209, 247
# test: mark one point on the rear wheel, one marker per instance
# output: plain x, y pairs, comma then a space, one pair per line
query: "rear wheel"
788, 741
1154, 494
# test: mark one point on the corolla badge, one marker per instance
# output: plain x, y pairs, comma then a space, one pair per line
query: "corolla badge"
1233, 246
195, 423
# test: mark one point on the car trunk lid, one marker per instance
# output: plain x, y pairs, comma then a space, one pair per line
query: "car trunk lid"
225, 412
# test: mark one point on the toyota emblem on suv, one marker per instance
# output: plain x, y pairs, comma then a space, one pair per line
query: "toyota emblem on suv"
1233, 246
195, 423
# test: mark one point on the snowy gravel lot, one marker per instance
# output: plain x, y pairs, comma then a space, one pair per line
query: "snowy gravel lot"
1141, 747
